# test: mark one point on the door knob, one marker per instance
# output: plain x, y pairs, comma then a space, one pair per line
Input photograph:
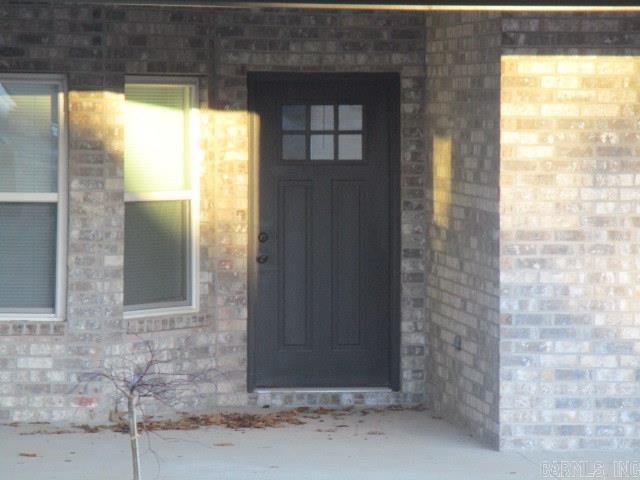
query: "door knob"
262, 258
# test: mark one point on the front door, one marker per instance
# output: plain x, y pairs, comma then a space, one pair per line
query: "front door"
322, 282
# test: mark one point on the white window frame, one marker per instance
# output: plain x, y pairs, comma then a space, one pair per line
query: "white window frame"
193, 195
60, 198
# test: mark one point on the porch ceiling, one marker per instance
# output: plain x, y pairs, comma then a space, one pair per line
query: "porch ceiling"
443, 5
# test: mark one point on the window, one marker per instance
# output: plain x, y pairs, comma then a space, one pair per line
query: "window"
32, 197
160, 177
310, 132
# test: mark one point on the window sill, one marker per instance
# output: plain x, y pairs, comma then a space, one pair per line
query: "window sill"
29, 317
161, 312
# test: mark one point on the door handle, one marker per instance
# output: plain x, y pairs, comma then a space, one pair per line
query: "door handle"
262, 259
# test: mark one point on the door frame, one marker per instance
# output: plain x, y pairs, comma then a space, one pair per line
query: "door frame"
392, 82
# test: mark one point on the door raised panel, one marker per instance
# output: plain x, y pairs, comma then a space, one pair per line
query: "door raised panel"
295, 289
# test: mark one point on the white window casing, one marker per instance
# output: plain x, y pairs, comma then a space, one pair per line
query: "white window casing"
58, 197
191, 195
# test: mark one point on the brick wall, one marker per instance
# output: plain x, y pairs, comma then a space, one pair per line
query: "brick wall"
566, 221
570, 352
569, 258
462, 282
95, 47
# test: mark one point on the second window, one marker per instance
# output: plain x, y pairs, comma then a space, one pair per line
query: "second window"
160, 203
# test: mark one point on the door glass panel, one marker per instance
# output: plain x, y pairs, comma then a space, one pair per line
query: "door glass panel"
350, 117
321, 147
350, 147
294, 117
321, 117
294, 147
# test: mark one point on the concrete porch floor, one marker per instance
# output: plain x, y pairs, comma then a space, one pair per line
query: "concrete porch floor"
382, 445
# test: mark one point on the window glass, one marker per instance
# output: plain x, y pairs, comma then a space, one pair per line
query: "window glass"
156, 252
321, 147
350, 117
27, 257
29, 133
294, 147
321, 117
156, 146
309, 132
350, 147
294, 117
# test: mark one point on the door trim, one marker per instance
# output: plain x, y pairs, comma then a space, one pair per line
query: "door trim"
392, 82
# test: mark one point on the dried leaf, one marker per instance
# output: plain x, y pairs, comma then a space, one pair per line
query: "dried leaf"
88, 428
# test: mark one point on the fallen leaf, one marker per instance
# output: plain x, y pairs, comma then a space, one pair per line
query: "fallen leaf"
375, 432
234, 421
56, 431
321, 411
224, 444
28, 455
88, 428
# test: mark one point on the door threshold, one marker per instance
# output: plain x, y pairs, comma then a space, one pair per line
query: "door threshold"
325, 390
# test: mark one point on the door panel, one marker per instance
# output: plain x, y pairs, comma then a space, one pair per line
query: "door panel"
322, 288
294, 230
346, 263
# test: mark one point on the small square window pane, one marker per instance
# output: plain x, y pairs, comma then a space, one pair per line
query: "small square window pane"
29, 134
321, 117
321, 147
350, 147
294, 117
350, 117
294, 147
27, 257
156, 253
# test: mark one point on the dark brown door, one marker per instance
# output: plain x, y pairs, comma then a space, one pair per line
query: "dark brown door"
321, 306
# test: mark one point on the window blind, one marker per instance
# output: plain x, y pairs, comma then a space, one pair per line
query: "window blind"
28, 137
156, 146
156, 247
27, 257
